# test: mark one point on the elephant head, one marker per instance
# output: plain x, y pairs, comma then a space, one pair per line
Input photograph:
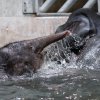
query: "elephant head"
82, 25
26, 56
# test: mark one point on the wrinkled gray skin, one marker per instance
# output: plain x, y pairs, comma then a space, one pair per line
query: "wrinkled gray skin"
26, 56
84, 25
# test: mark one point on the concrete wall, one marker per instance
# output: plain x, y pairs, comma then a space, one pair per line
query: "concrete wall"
10, 8
15, 26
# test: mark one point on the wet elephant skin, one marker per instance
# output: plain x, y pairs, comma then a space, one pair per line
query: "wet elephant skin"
84, 25
26, 56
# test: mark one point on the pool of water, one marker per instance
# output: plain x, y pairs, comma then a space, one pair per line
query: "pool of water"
53, 83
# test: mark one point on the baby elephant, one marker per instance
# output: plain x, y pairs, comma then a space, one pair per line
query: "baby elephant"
26, 56
84, 24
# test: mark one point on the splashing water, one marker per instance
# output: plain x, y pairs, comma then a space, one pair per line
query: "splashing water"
59, 59
57, 79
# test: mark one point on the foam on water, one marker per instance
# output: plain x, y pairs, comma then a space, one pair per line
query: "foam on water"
51, 68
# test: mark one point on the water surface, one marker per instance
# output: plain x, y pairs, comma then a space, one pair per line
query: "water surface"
53, 82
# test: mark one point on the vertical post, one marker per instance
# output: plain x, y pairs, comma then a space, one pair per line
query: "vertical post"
98, 6
28, 6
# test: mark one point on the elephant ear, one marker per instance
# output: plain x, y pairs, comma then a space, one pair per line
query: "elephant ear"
71, 26
47, 40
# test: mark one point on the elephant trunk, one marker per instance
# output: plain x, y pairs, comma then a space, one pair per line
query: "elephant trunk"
47, 40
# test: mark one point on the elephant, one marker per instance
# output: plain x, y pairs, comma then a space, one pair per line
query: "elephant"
26, 56
81, 24
84, 43
79, 36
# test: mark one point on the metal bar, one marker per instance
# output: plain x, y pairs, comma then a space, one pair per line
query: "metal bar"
53, 14
28, 6
67, 5
47, 4
36, 6
99, 6
90, 4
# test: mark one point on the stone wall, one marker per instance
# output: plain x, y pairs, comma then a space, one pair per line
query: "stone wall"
15, 26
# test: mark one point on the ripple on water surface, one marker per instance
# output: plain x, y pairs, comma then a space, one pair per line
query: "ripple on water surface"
53, 82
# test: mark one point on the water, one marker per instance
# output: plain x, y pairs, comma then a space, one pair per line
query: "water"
53, 82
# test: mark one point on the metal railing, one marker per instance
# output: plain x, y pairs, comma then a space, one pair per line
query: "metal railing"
42, 7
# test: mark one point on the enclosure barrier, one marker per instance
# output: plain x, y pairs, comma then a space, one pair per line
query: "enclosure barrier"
67, 5
42, 7
46, 5
90, 4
